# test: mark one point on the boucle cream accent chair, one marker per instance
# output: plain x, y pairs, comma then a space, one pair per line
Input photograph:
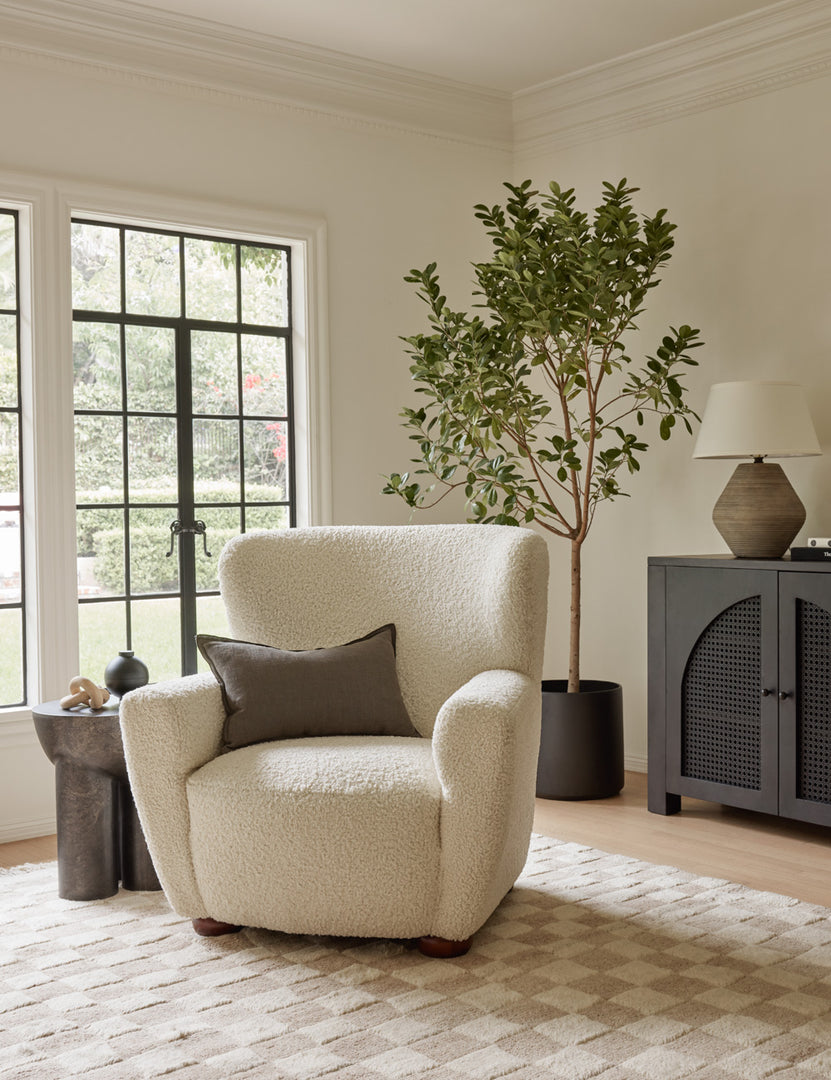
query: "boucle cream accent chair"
358, 835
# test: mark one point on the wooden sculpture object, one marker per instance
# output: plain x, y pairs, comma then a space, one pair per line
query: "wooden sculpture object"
83, 691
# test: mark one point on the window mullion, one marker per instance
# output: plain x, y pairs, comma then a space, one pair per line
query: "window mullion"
184, 442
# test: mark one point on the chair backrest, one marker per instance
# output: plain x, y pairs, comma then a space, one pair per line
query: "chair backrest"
464, 598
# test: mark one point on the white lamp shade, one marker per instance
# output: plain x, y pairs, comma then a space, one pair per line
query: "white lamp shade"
756, 419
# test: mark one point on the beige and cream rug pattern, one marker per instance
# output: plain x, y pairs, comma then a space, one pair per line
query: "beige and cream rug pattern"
595, 965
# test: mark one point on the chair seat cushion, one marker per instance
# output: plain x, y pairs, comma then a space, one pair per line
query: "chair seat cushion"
335, 835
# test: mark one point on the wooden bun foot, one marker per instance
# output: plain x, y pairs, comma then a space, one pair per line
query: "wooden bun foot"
442, 949
213, 928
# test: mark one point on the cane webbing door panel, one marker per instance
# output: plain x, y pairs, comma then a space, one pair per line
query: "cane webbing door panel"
721, 656
805, 713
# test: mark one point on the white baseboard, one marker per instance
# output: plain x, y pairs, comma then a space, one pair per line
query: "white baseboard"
27, 830
634, 763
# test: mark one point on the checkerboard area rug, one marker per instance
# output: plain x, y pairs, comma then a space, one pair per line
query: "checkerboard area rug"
595, 965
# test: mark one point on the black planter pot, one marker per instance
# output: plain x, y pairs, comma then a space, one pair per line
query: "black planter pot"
581, 744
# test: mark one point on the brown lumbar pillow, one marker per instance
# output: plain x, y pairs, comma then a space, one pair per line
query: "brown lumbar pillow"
270, 693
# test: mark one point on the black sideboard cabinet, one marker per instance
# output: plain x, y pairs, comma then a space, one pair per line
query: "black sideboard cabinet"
740, 685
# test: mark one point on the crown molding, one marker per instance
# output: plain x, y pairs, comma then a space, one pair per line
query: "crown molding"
786, 43
126, 40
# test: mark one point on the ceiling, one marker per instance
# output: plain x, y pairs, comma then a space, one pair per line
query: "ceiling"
505, 45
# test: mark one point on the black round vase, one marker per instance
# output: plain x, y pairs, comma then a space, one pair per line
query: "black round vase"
125, 673
581, 743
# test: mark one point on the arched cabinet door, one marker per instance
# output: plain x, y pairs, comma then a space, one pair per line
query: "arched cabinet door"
805, 711
721, 682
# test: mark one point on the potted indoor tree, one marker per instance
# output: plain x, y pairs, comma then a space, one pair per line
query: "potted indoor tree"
533, 410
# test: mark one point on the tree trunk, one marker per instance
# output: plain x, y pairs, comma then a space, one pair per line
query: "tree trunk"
574, 624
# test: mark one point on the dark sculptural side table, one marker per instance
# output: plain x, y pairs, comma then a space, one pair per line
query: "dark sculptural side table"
100, 841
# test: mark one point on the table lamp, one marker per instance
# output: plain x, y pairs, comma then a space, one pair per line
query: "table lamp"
758, 514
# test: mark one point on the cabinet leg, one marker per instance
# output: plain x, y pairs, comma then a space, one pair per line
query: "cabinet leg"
137, 870
88, 864
665, 803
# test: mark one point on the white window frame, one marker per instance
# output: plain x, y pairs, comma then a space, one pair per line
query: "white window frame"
46, 211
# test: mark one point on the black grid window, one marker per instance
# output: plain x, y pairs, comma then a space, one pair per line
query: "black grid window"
184, 428
12, 576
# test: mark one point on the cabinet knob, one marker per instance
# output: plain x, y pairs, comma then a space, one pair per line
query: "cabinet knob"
784, 695
766, 692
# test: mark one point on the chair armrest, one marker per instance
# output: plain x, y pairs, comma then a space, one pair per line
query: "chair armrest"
485, 749
169, 730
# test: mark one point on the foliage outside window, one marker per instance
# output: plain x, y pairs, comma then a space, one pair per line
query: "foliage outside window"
182, 372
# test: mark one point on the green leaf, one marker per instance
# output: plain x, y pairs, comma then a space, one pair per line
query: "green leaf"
515, 392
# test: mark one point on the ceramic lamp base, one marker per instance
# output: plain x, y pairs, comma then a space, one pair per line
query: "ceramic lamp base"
758, 514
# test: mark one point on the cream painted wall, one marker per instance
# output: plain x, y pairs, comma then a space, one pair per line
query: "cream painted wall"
747, 186
390, 201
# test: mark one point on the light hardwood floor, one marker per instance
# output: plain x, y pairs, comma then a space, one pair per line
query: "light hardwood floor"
41, 849
705, 838
758, 850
